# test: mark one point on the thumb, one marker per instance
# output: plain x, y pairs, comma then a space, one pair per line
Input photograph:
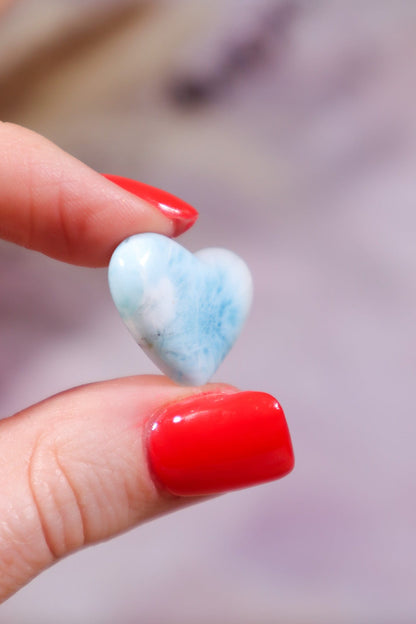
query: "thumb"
94, 461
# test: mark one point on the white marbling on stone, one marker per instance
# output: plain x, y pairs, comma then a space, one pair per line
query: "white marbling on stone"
185, 310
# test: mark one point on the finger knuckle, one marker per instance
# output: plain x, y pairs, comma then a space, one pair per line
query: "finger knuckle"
56, 500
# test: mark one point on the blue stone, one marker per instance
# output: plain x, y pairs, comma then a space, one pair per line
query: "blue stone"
185, 310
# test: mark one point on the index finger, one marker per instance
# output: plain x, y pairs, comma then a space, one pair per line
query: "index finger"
53, 203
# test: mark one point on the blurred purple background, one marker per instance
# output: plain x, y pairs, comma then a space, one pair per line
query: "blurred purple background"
291, 127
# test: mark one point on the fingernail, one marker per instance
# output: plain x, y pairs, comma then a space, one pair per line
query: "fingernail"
182, 215
217, 442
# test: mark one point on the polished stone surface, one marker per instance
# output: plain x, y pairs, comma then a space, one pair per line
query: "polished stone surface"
305, 168
185, 310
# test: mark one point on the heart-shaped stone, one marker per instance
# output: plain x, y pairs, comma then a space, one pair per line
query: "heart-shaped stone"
185, 310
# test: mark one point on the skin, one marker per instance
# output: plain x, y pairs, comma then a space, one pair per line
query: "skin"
73, 468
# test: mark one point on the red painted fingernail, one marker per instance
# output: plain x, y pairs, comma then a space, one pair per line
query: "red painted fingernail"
182, 215
217, 442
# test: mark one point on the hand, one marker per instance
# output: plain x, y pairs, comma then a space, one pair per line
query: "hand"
89, 463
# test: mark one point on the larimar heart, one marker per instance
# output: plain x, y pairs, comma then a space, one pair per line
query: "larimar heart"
185, 310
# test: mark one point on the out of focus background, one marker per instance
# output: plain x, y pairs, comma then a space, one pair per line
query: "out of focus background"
291, 127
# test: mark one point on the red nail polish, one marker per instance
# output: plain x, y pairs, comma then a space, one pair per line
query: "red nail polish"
217, 442
183, 215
